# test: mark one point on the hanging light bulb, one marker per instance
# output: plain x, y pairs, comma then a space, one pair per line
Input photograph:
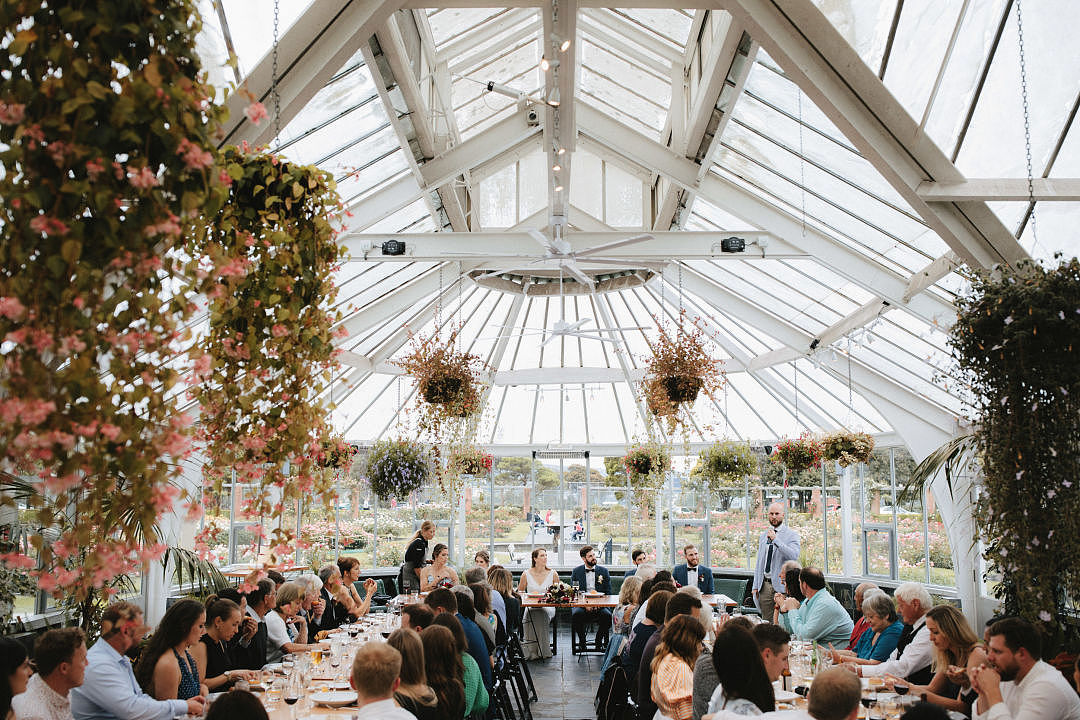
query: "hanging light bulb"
556, 167
558, 187
553, 97
563, 45
546, 63
559, 149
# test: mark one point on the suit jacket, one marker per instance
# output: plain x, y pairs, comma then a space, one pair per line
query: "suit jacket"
785, 547
704, 577
253, 655
333, 612
603, 578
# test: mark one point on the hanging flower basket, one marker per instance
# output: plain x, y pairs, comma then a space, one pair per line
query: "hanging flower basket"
723, 465
646, 466
397, 468
441, 389
682, 388
337, 454
678, 369
470, 460
448, 381
801, 453
848, 448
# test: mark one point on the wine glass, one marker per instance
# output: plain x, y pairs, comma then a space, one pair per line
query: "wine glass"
293, 691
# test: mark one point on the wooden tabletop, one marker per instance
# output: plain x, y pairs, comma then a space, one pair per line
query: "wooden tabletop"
598, 601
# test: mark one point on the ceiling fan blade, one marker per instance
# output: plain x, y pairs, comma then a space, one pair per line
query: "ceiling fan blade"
578, 275
621, 262
614, 244
587, 336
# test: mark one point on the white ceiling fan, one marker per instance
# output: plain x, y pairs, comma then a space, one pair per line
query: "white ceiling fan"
567, 329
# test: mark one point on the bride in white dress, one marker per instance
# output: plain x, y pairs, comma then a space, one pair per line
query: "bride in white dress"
538, 579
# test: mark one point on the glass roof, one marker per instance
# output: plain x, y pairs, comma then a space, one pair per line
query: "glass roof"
837, 240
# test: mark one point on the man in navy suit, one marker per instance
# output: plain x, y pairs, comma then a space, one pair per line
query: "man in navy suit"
590, 576
692, 572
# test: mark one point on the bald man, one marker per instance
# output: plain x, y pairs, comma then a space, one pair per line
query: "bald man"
777, 545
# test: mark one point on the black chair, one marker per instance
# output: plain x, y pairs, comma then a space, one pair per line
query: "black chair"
519, 666
513, 680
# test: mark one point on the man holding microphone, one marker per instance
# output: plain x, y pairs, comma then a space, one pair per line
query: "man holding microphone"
778, 544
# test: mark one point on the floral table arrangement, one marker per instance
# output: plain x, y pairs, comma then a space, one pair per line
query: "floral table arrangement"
847, 447
559, 593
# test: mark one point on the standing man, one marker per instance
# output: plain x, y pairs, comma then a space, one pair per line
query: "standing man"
692, 573
776, 546
590, 577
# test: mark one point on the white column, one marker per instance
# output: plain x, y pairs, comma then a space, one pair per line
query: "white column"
845, 522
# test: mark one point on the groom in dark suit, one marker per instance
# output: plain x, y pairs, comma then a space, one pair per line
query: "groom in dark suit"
692, 572
590, 576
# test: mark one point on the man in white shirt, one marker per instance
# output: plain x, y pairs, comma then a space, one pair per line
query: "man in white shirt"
914, 653
375, 677
60, 657
109, 690
1017, 684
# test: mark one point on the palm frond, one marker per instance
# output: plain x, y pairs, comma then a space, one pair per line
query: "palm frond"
197, 570
954, 457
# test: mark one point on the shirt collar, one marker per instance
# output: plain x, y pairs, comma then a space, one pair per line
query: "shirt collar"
48, 694
380, 705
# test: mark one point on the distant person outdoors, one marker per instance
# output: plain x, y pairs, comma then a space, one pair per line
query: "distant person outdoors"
416, 556
821, 617
777, 545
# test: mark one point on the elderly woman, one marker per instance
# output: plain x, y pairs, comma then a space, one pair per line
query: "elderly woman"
279, 638
879, 640
312, 606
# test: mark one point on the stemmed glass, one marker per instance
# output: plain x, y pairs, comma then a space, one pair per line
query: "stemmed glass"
294, 690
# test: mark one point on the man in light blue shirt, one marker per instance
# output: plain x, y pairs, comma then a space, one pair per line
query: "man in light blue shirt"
109, 690
821, 618
777, 545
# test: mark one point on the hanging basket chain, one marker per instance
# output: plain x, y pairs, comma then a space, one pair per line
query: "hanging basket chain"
1027, 122
276, 98
802, 167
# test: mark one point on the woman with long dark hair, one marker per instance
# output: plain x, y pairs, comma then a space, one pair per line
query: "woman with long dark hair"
438, 570
442, 665
163, 672
744, 687
15, 672
213, 657
413, 694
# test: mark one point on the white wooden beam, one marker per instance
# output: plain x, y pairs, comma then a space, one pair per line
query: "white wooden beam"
1001, 190
937, 269
826, 337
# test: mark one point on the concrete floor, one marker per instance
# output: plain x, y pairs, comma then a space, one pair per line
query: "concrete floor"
565, 684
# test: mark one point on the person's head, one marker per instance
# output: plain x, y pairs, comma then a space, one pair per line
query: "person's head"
925, 711
444, 667
275, 577
638, 557
408, 643
656, 611
588, 555
773, 641
482, 559
475, 574
912, 601
690, 552
860, 592
312, 585
182, 625
416, 616
646, 571
290, 596
811, 581
440, 554
14, 670
375, 672
330, 576
834, 695
682, 604
426, 531
539, 558
879, 611
658, 585
663, 576
60, 656
122, 625
222, 618
465, 604
951, 635
451, 623
349, 567
776, 514
628, 593
1014, 647
442, 600
262, 597
741, 668
990, 623
500, 580
237, 705
680, 637
481, 599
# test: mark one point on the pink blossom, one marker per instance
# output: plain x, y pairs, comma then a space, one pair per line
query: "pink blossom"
13, 113
224, 178
11, 308
94, 168
109, 431
195, 158
237, 267
279, 330
169, 227
143, 178
195, 512
175, 444
48, 226
256, 112
17, 560
79, 302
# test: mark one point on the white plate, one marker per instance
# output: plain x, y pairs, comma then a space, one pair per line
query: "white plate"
273, 667
594, 594
339, 698
785, 695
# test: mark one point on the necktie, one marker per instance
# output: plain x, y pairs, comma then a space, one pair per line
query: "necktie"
768, 560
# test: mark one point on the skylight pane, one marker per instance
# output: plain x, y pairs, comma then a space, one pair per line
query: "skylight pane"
865, 25
449, 23
585, 182
918, 50
252, 27
622, 192
496, 199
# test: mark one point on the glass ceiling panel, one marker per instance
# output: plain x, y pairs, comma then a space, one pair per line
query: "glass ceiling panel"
629, 102
364, 178
918, 50
714, 218
636, 81
450, 23
865, 25
403, 218
463, 54
767, 83
1056, 223
994, 144
252, 27
671, 25
210, 45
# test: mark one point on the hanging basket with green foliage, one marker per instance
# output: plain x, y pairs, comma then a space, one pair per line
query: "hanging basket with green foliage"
724, 465
449, 383
847, 447
646, 466
397, 468
678, 369
798, 454
337, 455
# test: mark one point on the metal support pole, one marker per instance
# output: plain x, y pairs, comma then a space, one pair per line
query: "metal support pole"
491, 504
588, 500
562, 507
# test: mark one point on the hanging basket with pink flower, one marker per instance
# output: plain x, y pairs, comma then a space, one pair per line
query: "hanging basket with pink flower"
448, 381
798, 454
647, 465
678, 370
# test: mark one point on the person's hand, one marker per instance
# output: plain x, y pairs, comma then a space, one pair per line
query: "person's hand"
196, 705
317, 607
790, 604
369, 586
986, 681
249, 627
853, 667
322, 635
778, 598
771, 534
203, 689
958, 676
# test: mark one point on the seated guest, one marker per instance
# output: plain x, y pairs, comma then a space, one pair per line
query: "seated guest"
15, 671
467, 612
60, 660
439, 569
375, 671
1017, 684
444, 602
444, 666
166, 669
835, 695
744, 686
213, 657
482, 559
277, 578
821, 617
681, 604
479, 576
957, 651
485, 615
882, 633
862, 623
502, 582
335, 598
705, 678
416, 616
692, 572
638, 557
771, 641
250, 650
312, 607
657, 584
672, 682
914, 652
109, 689
590, 577
349, 567
639, 636
620, 620
413, 693
237, 705
279, 638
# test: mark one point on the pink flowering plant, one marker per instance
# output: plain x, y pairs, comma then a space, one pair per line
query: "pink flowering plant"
106, 140
679, 368
337, 455
646, 465
801, 453
270, 347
